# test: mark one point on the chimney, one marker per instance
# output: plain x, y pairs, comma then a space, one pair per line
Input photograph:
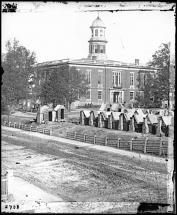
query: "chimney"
137, 62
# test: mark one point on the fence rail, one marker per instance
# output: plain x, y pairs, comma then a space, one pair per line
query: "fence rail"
26, 127
156, 147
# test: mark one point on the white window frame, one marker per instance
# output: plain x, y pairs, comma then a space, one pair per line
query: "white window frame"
116, 78
121, 96
133, 95
100, 99
132, 81
89, 76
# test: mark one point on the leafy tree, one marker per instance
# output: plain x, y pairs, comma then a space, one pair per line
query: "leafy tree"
63, 86
161, 60
17, 66
156, 85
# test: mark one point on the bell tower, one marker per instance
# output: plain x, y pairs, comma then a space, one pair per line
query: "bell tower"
97, 42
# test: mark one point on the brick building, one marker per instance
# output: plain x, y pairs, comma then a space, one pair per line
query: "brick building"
109, 81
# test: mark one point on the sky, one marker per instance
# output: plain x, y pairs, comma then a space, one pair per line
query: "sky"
57, 31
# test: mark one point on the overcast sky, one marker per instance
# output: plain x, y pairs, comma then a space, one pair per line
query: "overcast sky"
56, 31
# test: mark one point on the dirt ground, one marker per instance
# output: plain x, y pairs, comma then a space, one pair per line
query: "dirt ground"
81, 174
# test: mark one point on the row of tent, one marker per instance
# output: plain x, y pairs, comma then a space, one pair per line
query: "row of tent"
137, 120
47, 113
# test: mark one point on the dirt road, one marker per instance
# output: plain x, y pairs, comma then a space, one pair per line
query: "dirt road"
81, 174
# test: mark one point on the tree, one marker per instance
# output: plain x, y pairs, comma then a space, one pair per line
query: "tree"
161, 60
63, 86
156, 85
17, 66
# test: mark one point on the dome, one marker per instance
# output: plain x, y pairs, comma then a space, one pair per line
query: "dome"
98, 23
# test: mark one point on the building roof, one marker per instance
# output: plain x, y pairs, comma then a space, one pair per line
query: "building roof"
95, 113
167, 120
153, 119
106, 114
44, 108
98, 23
89, 62
86, 113
128, 113
59, 107
139, 111
104, 107
139, 115
116, 115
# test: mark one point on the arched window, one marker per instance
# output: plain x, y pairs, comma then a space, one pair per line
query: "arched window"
101, 32
96, 32
92, 32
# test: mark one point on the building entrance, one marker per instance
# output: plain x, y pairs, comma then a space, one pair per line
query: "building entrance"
50, 116
116, 97
62, 113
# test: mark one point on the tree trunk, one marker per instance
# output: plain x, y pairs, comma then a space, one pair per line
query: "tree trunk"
68, 106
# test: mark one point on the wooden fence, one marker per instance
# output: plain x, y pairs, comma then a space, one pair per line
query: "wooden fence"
150, 146
27, 127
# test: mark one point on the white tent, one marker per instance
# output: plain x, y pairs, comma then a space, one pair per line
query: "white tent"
58, 107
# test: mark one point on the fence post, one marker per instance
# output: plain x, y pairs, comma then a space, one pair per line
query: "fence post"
9, 124
30, 128
43, 130
84, 137
94, 140
14, 124
75, 133
106, 141
160, 149
118, 143
145, 144
131, 144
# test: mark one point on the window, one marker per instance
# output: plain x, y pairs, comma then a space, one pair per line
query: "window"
96, 32
101, 49
131, 95
113, 79
91, 48
88, 76
131, 78
92, 32
119, 78
100, 95
96, 49
88, 94
100, 75
116, 79
142, 94
101, 33
121, 96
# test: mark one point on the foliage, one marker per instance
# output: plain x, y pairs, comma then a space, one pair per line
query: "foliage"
17, 66
63, 86
156, 85
161, 59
